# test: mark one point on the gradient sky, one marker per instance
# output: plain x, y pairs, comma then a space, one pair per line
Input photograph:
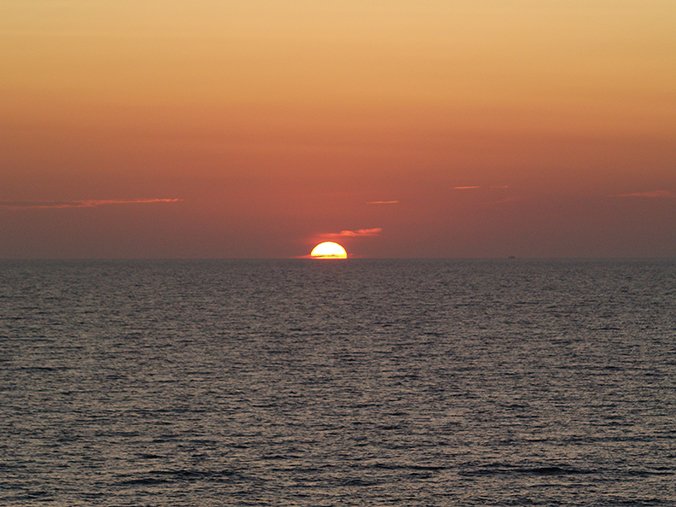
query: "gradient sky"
256, 128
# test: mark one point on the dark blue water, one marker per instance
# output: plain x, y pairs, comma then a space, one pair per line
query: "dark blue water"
337, 383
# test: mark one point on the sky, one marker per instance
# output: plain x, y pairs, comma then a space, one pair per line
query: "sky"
398, 128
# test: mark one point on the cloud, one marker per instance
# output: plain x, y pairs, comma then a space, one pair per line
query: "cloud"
86, 203
477, 187
358, 233
377, 203
508, 200
651, 194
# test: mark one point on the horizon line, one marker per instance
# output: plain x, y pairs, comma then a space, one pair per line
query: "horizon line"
354, 258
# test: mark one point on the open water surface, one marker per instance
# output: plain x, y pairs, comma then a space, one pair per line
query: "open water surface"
337, 383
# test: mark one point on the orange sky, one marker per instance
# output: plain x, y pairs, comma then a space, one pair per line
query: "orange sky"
254, 128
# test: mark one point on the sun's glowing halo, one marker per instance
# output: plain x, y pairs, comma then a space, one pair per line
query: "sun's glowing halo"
328, 250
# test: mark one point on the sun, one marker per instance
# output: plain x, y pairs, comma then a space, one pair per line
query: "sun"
328, 250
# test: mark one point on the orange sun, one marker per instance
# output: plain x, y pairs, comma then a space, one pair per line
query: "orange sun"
328, 250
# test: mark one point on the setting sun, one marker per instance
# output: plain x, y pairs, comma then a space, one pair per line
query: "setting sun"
328, 250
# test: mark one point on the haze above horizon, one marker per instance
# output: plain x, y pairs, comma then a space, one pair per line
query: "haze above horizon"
259, 128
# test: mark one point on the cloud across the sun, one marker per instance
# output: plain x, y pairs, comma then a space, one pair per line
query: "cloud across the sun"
85, 203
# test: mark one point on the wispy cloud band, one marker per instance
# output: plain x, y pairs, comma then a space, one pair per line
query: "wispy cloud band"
477, 187
651, 194
357, 233
85, 203
382, 203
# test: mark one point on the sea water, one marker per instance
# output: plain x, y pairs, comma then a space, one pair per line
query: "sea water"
359, 382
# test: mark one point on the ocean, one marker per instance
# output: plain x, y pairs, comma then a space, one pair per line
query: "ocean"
359, 382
